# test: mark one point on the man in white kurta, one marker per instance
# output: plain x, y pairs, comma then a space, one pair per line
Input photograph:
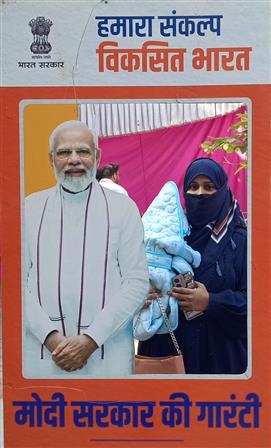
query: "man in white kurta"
108, 183
110, 178
86, 268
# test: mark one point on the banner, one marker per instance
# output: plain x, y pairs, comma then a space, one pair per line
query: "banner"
57, 56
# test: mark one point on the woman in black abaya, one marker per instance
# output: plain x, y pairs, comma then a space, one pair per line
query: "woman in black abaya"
214, 342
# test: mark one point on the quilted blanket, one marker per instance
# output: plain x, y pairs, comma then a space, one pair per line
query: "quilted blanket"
168, 254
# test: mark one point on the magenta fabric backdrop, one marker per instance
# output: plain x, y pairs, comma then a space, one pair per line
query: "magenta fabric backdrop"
149, 159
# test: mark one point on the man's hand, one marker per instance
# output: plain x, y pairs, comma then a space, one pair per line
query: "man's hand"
73, 353
196, 299
53, 340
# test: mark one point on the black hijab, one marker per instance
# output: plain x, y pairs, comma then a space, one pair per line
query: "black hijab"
212, 217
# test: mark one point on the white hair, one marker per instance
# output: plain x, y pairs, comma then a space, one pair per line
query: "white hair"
69, 125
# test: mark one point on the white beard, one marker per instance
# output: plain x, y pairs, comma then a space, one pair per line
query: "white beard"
76, 184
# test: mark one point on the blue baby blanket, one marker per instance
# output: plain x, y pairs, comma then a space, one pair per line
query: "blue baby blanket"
168, 254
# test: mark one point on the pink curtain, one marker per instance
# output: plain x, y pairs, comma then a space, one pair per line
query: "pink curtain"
149, 159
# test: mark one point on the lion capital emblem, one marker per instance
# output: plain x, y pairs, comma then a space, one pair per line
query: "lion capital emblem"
40, 29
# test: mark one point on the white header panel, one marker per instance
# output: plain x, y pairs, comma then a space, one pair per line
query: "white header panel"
116, 43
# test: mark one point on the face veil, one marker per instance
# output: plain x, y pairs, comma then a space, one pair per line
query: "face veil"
214, 217
205, 208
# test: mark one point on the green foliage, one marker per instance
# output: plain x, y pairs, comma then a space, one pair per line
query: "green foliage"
237, 142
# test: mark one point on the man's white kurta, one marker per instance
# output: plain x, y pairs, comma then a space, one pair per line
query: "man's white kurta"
125, 279
108, 183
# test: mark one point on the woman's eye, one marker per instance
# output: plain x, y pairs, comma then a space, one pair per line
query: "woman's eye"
210, 187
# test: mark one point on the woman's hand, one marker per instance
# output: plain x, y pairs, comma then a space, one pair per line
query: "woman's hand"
196, 299
153, 294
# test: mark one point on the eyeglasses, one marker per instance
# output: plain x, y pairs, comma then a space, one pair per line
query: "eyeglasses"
82, 153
